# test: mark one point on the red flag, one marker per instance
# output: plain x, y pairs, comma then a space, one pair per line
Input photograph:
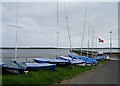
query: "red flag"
100, 40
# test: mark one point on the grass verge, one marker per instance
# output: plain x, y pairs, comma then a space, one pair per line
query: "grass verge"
45, 77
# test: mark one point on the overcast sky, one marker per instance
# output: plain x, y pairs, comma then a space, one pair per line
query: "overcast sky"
39, 24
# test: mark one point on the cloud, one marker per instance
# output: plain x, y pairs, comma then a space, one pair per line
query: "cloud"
38, 20
0, 24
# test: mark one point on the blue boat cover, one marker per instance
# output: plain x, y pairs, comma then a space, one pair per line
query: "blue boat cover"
87, 59
99, 58
41, 60
65, 58
77, 57
77, 62
38, 66
73, 56
100, 54
58, 61
46, 60
13, 65
72, 61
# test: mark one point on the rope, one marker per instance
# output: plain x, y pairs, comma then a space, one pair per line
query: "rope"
84, 30
68, 28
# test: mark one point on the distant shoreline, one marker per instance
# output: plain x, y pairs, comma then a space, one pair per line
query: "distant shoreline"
54, 48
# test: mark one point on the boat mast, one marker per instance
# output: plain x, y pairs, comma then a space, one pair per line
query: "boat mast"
92, 41
68, 28
93, 37
17, 27
17, 15
88, 37
57, 30
84, 29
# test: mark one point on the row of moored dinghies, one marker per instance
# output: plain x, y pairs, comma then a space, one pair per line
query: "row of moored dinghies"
72, 60
50, 64
45, 63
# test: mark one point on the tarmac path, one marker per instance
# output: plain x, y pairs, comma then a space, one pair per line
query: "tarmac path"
105, 74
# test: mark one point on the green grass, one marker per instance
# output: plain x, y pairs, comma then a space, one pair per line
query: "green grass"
102, 62
46, 77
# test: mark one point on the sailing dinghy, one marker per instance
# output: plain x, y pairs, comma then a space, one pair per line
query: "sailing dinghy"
88, 63
39, 66
12, 66
99, 57
87, 59
20, 67
93, 61
73, 61
28, 66
46, 60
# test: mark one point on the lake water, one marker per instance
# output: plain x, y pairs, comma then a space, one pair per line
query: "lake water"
45, 53
34, 52
8, 54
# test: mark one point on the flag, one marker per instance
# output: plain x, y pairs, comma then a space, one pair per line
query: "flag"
100, 40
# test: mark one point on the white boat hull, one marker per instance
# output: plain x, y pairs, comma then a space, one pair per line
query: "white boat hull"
107, 58
82, 65
88, 64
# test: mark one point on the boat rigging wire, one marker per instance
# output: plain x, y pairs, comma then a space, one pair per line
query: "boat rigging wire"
84, 30
68, 30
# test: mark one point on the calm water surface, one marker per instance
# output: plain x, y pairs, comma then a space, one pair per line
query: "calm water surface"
45, 53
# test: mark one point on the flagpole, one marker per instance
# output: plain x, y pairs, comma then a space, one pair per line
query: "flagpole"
110, 42
96, 44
